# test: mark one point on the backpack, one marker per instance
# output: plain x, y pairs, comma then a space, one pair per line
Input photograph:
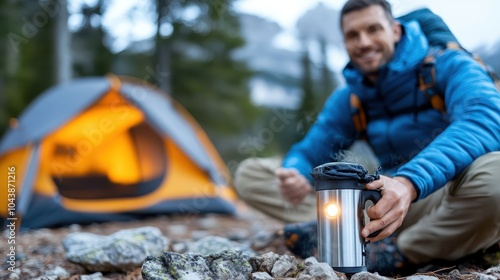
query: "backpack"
440, 38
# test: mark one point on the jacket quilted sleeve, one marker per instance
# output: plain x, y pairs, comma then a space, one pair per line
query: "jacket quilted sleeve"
473, 112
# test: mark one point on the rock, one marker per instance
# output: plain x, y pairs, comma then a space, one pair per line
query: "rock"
199, 234
265, 262
93, 276
75, 228
180, 247
481, 276
310, 261
283, 266
121, 251
494, 271
51, 277
180, 266
15, 276
177, 230
317, 270
455, 274
230, 265
31, 263
238, 235
154, 268
261, 276
421, 277
207, 223
215, 244
341, 275
31, 273
367, 276
225, 266
57, 271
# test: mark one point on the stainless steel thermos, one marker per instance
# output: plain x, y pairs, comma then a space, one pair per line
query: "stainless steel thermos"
340, 200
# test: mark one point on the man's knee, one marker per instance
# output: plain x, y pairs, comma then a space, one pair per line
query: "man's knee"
253, 174
244, 167
488, 163
242, 174
480, 179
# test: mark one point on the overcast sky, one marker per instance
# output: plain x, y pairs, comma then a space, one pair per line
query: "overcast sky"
474, 23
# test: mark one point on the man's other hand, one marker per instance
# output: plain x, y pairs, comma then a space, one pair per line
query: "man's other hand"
389, 212
293, 185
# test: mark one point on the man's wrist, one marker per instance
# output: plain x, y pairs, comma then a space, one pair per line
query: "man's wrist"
409, 185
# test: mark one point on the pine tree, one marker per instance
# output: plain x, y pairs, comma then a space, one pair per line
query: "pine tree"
307, 109
200, 69
91, 55
27, 54
328, 83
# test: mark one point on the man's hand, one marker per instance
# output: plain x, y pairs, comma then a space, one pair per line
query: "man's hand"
389, 212
293, 185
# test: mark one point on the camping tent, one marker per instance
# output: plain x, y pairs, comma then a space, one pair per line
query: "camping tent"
100, 149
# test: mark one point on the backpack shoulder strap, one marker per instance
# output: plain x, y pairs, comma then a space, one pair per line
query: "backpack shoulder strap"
427, 76
427, 80
358, 116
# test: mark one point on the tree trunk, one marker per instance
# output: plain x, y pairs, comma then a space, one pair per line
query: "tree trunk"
162, 72
62, 61
327, 84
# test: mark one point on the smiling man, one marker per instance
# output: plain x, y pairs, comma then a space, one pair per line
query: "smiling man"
440, 188
370, 37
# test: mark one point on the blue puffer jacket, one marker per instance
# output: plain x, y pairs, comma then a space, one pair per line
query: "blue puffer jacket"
410, 138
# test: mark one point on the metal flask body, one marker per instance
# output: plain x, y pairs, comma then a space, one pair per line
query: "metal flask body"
339, 239
340, 243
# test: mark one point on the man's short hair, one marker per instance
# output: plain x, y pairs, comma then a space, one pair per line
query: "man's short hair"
356, 5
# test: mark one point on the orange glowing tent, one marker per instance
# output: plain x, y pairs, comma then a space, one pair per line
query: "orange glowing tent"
101, 149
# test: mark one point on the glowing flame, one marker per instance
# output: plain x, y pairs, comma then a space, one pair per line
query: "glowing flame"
331, 210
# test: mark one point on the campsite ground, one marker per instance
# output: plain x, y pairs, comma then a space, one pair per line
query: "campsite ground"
41, 251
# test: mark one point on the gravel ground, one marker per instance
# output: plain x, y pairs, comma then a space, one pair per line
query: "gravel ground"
40, 251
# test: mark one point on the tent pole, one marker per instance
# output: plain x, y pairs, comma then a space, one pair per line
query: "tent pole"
27, 185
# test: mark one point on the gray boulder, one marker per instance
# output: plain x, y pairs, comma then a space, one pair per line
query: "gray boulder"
225, 266
283, 266
317, 271
367, 276
421, 277
215, 244
120, 251
261, 276
265, 262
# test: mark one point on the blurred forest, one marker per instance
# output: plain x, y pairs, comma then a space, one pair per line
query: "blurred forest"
202, 53
190, 56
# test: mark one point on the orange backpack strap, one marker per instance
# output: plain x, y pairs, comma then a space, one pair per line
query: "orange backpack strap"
427, 76
427, 81
358, 116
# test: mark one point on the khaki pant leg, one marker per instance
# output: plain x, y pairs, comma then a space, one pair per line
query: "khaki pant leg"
257, 185
460, 219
